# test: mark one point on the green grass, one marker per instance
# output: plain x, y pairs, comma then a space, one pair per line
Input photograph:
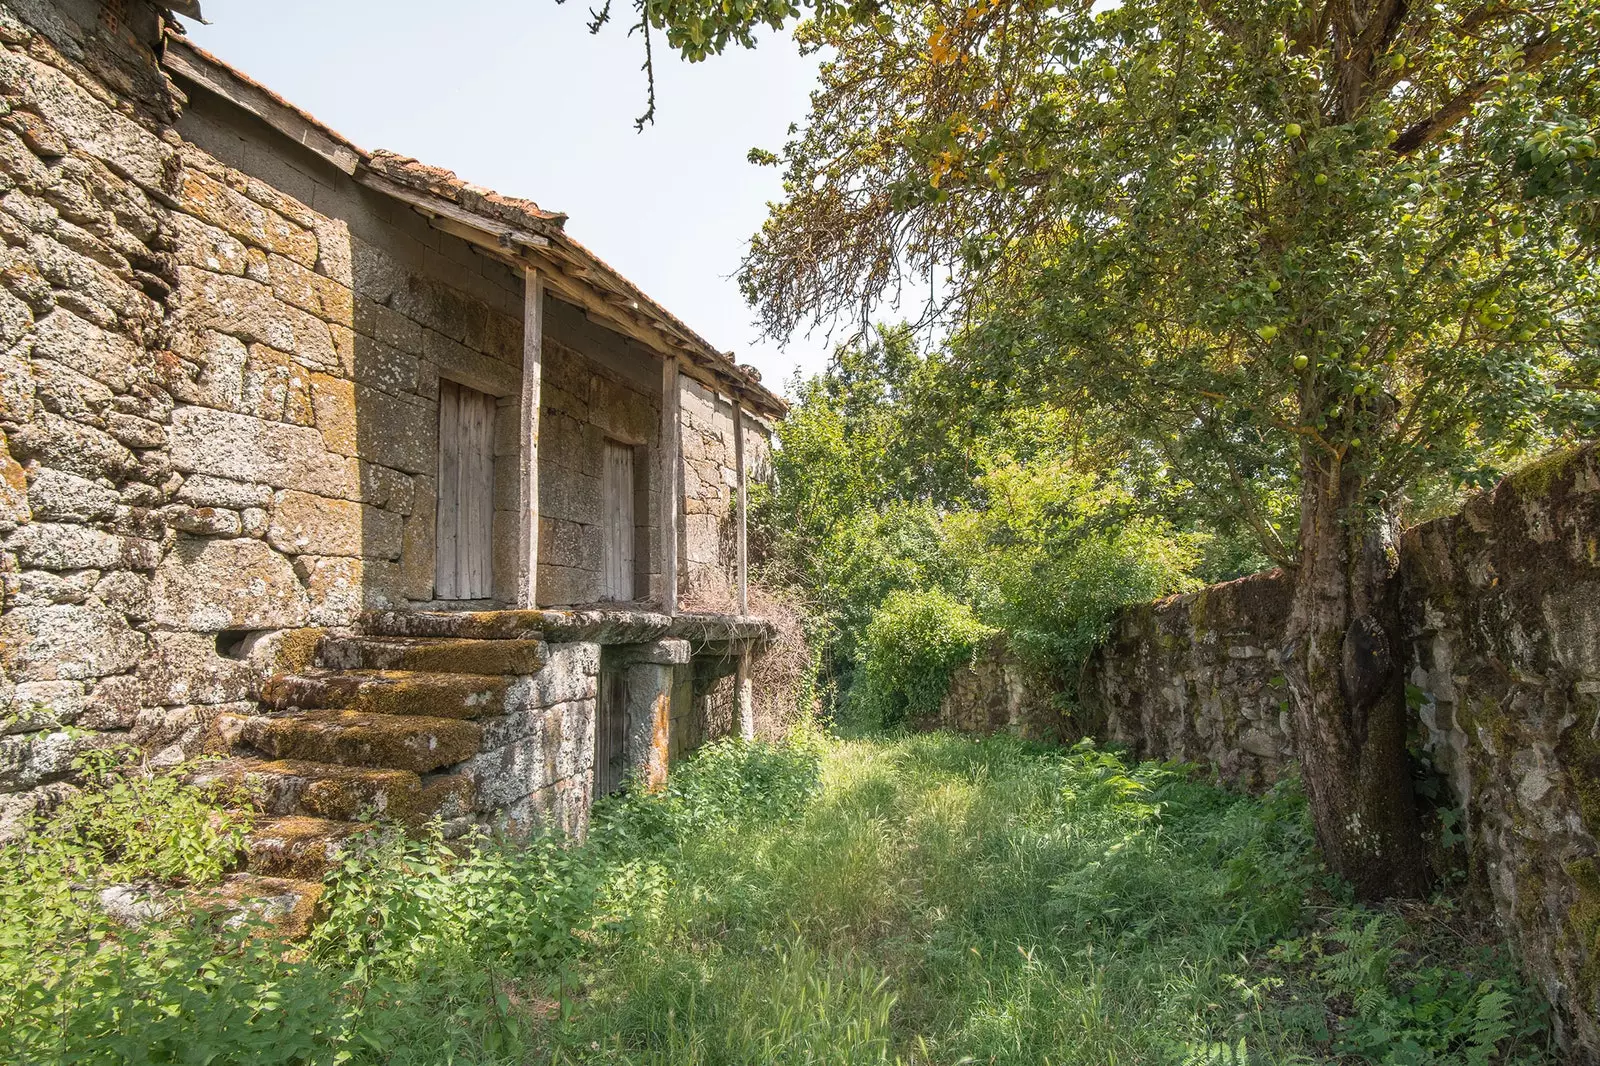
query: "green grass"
927, 899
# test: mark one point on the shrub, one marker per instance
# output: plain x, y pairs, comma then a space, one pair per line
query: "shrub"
914, 642
1055, 552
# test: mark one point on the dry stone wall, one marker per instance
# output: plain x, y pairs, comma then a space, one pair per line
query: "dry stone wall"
1503, 615
86, 396
999, 693
1198, 678
1501, 605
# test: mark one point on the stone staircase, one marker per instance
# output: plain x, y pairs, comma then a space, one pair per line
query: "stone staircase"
373, 728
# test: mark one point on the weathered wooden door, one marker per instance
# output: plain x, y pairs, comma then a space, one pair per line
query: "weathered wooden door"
617, 537
610, 729
466, 493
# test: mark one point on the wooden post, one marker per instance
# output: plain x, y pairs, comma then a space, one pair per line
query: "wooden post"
742, 504
532, 370
745, 696
671, 484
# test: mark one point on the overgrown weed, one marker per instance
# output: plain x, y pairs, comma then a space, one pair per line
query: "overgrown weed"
923, 899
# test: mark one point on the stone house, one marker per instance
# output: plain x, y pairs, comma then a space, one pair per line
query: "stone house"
372, 480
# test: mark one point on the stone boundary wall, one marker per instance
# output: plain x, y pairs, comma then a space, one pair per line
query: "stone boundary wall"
1501, 608
1197, 678
999, 693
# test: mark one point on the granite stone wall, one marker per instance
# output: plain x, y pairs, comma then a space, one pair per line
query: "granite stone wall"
536, 766
87, 402
220, 361
1198, 678
1501, 607
999, 693
610, 392
708, 567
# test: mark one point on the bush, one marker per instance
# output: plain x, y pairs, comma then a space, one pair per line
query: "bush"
914, 642
1054, 553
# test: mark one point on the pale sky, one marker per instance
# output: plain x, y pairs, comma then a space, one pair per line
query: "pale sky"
516, 95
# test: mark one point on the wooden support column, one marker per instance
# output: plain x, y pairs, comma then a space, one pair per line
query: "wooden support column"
671, 481
742, 505
528, 468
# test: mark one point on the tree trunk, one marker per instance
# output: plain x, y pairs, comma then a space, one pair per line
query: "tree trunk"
1346, 690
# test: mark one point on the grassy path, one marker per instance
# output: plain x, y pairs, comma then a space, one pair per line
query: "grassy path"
943, 900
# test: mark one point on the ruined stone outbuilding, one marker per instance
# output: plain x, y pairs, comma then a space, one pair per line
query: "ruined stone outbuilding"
373, 481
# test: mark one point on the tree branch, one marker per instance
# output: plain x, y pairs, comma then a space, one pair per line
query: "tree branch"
1458, 106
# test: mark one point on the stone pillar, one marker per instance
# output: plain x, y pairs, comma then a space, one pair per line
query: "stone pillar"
648, 683
745, 696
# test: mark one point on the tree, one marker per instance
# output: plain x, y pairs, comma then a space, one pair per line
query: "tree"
1335, 248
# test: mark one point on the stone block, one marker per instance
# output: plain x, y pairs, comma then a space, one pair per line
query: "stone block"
67, 641
199, 244
72, 447
333, 403
63, 391
208, 585
251, 450
249, 311
231, 211
14, 499
417, 542
303, 524
135, 432
59, 546
38, 758
398, 433
16, 384
470, 368
505, 775
385, 367
126, 591
44, 705
570, 673
203, 490
207, 521
339, 589
222, 361
113, 704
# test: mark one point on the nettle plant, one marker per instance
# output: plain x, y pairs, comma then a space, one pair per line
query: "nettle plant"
1324, 259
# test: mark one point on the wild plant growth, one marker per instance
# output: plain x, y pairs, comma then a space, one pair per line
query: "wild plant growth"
919, 900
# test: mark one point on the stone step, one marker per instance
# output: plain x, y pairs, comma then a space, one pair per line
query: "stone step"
432, 655
418, 743
287, 905
402, 692
339, 793
298, 847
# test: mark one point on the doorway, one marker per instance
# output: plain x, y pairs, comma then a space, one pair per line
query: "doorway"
462, 559
618, 490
